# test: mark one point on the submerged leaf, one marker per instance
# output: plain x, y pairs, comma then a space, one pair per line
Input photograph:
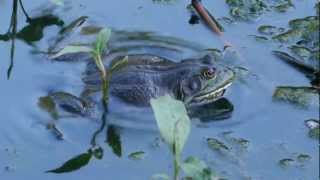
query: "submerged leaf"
114, 141
73, 164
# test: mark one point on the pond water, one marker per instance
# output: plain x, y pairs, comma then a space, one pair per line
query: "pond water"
275, 131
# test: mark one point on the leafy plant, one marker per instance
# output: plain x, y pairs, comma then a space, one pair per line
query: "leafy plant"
174, 125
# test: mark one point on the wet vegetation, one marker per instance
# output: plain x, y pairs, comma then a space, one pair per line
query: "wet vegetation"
108, 52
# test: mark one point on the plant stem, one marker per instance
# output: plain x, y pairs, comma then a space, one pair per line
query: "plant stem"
176, 168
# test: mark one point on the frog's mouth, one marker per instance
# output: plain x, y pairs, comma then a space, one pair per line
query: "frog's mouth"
215, 88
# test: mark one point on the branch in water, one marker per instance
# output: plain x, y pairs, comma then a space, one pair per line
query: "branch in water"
207, 17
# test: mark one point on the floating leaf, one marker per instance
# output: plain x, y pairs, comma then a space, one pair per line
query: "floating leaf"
114, 141
286, 162
69, 103
315, 133
259, 38
46, 103
288, 36
215, 144
283, 6
303, 158
196, 169
306, 64
136, 155
246, 10
302, 96
71, 49
269, 30
73, 164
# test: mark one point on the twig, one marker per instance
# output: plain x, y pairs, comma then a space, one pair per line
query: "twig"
209, 20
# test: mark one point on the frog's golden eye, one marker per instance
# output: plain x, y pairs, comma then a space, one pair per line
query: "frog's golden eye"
208, 73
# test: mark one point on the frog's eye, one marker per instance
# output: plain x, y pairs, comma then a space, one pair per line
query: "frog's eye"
208, 73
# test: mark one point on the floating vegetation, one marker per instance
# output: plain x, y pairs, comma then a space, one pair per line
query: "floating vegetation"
63, 102
269, 30
196, 169
298, 160
302, 158
309, 64
174, 125
136, 155
282, 6
315, 133
302, 96
314, 128
259, 38
286, 162
246, 9
251, 9
217, 145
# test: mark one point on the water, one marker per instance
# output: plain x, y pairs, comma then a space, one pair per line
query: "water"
275, 130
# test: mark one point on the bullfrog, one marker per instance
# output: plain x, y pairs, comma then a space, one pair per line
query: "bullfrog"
196, 81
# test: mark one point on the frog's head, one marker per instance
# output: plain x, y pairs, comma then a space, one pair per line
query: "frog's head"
206, 82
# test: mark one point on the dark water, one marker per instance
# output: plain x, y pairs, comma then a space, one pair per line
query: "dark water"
275, 130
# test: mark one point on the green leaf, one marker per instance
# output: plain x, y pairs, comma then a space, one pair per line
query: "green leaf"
196, 169
71, 49
73, 164
314, 133
173, 121
301, 96
101, 41
136, 155
114, 140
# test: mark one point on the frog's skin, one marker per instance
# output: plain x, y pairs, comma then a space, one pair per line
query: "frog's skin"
193, 81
